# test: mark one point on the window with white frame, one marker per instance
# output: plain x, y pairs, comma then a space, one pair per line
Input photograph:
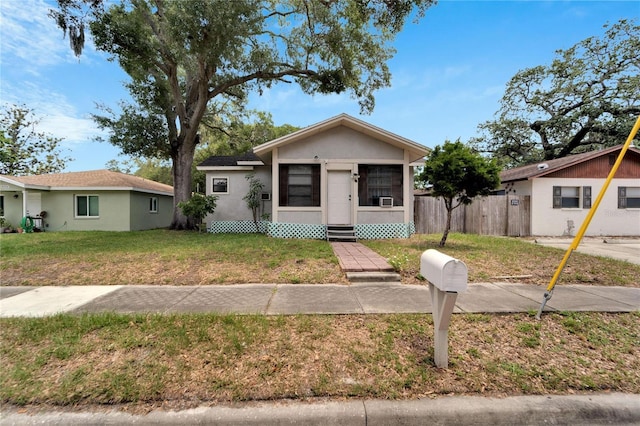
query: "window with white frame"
629, 197
87, 206
153, 204
568, 197
380, 180
220, 185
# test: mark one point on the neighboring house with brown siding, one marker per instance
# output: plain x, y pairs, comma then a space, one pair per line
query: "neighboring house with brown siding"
99, 200
563, 190
341, 175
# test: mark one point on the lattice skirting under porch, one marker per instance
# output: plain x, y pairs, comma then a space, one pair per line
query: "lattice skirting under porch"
378, 231
370, 231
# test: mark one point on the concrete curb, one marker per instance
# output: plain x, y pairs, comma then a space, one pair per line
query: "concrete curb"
595, 409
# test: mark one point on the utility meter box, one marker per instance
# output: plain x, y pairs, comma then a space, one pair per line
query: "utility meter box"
443, 271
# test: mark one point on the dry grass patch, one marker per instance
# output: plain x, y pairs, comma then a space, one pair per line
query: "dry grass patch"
186, 258
181, 361
493, 258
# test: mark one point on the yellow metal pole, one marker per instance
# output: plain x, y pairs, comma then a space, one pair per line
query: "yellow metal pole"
587, 220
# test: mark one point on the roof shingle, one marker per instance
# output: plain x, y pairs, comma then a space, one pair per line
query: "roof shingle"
93, 179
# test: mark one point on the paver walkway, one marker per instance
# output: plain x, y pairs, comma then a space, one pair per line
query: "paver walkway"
355, 257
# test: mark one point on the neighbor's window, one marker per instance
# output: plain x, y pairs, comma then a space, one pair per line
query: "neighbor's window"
629, 197
87, 206
220, 185
153, 205
379, 181
586, 197
566, 197
1, 205
300, 185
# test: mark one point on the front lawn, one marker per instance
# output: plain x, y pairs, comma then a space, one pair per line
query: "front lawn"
162, 257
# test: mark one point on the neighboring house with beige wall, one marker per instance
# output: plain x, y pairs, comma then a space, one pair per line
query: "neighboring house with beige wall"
563, 190
341, 172
99, 200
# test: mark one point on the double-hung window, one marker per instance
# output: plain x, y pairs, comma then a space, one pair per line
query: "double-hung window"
629, 197
300, 185
568, 197
87, 206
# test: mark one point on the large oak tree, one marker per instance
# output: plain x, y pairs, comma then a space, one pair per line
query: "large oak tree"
587, 98
183, 55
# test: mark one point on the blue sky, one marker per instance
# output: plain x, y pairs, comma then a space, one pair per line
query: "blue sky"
449, 72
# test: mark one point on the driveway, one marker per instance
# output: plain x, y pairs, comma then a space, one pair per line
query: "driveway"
627, 249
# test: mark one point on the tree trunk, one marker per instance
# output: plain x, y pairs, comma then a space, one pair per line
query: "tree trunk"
182, 157
449, 205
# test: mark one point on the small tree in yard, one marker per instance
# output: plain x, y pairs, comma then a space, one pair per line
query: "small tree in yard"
198, 206
458, 174
253, 196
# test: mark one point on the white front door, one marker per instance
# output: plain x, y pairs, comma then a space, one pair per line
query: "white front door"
339, 197
34, 204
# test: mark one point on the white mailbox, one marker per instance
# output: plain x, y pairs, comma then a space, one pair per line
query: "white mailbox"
447, 277
443, 271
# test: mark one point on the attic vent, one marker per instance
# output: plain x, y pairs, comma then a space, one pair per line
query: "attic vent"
543, 166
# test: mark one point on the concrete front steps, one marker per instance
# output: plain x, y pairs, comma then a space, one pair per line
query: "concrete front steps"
373, 277
344, 233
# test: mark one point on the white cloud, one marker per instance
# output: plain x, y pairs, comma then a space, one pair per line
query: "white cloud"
58, 117
29, 38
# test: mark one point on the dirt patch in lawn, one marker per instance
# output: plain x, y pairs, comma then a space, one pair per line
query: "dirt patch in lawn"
139, 269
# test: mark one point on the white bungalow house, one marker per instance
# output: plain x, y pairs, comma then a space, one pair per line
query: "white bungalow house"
99, 200
563, 190
341, 176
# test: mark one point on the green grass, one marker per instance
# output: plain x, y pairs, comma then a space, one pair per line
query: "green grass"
193, 358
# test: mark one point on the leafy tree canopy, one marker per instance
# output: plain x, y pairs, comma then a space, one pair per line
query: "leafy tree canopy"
182, 54
588, 97
23, 150
458, 174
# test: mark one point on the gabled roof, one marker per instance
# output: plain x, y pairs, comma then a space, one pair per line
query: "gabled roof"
543, 168
346, 120
90, 180
246, 159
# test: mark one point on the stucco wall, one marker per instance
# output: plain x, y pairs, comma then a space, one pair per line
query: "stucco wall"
118, 211
311, 217
381, 216
232, 206
608, 220
141, 218
341, 143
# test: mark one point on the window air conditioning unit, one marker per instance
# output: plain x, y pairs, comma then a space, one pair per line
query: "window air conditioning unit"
386, 201
265, 196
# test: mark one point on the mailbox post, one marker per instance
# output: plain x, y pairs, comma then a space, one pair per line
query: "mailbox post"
447, 277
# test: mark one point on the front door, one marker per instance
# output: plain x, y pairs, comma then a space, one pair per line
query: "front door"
339, 197
34, 204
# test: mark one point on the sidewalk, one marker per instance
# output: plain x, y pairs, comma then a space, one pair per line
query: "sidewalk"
290, 299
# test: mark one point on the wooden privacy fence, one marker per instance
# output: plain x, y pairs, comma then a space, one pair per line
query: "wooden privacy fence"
493, 215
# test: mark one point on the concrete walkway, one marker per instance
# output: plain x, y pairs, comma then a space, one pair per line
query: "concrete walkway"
290, 299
